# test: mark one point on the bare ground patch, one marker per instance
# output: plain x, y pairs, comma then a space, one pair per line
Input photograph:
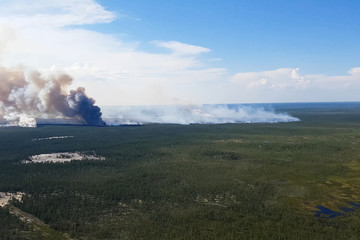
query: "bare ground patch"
5, 197
61, 157
50, 138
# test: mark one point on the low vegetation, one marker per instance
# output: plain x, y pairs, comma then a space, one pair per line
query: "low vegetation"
229, 181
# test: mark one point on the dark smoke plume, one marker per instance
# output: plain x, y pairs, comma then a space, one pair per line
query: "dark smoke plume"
25, 96
84, 106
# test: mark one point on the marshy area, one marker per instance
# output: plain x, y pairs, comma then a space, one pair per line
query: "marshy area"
295, 180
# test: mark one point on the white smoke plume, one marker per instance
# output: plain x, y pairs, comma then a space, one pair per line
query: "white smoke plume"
25, 96
191, 114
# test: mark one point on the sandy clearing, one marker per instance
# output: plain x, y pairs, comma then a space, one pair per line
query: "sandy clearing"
61, 157
5, 197
50, 138
230, 141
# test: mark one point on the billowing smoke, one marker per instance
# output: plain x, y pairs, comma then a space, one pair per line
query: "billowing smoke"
26, 96
190, 114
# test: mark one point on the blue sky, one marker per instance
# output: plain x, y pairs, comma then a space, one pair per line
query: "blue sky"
132, 52
250, 35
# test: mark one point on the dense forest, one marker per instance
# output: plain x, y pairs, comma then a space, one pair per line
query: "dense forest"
296, 180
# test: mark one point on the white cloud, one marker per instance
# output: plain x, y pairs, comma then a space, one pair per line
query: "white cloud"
54, 13
7, 34
355, 71
287, 84
181, 48
279, 78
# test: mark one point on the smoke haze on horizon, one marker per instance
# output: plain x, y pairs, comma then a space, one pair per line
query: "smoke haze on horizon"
192, 114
